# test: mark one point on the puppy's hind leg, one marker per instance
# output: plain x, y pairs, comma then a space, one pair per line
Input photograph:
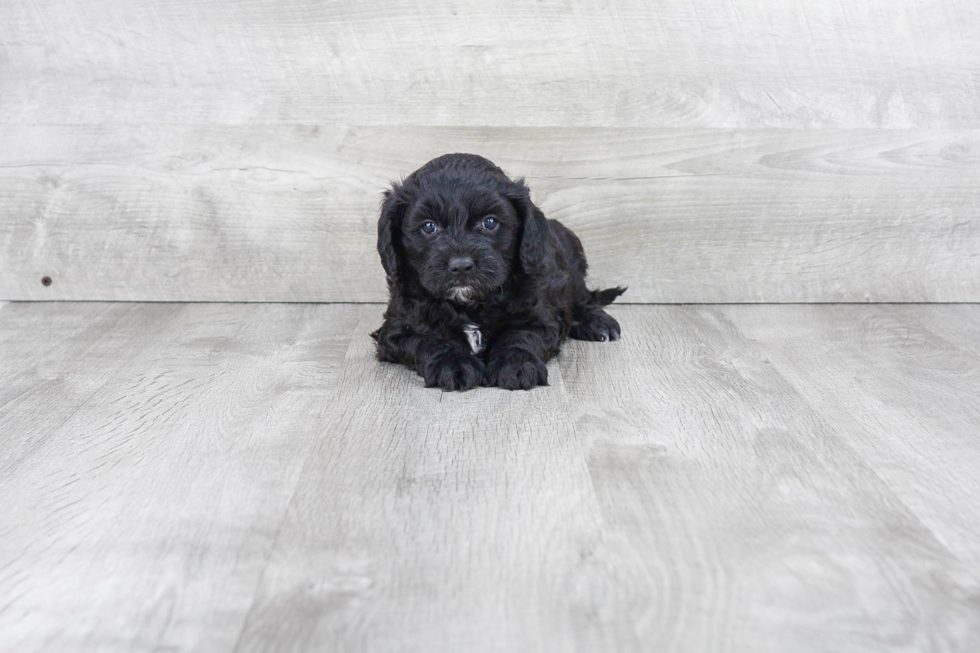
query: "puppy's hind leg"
590, 322
596, 325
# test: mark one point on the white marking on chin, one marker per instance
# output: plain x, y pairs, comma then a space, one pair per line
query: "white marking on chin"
461, 294
473, 334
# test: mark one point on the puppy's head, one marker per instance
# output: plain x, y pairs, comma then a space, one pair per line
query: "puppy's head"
457, 229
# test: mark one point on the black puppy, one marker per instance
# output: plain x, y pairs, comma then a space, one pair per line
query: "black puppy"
483, 288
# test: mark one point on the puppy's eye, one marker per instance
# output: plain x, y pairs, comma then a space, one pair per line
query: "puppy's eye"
489, 223
428, 227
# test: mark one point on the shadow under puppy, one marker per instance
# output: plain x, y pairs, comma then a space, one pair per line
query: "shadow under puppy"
483, 288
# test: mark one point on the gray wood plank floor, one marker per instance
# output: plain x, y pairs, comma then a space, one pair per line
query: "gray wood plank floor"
197, 477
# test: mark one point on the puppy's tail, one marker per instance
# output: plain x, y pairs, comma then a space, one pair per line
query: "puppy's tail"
607, 296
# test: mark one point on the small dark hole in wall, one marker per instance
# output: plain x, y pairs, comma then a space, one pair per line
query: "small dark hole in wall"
45, 281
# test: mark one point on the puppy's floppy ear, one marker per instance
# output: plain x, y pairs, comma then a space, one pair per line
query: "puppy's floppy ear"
534, 226
389, 225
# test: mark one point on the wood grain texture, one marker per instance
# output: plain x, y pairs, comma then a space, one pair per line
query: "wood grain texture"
247, 477
720, 512
628, 63
431, 521
903, 385
148, 455
737, 516
288, 213
718, 151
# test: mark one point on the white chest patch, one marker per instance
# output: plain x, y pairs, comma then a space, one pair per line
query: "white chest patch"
473, 334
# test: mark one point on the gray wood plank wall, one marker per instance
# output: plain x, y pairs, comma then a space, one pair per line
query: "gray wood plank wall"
716, 151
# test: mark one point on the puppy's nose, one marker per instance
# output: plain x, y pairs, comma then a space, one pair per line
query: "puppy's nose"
460, 264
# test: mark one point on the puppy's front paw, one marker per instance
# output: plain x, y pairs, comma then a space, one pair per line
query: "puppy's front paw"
515, 369
453, 371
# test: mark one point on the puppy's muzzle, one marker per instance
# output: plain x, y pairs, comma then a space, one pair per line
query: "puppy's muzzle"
460, 269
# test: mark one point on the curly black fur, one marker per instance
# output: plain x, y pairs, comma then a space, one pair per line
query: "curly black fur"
483, 288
